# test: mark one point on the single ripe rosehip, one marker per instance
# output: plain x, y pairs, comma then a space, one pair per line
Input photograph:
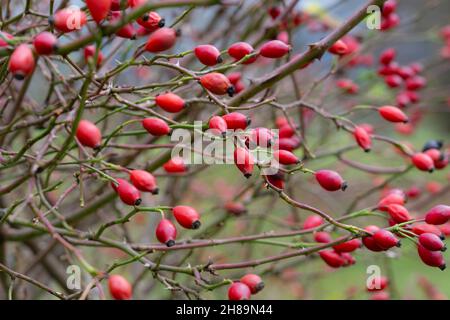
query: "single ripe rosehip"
437, 215
322, 237
161, 40
244, 161
235, 208
286, 131
385, 239
423, 162
253, 282
144, 181
6, 35
45, 43
238, 291
431, 242
312, 222
276, 180
187, 217
170, 102
99, 9
332, 258
234, 77
393, 198
274, 49
393, 81
127, 31
218, 124
415, 83
420, 228
431, 258
348, 259
330, 180
286, 157
261, 137
175, 165
217, 83
89, 53
348, 246
88, 134
156, 126
389, 7
151, 21
405, 72
338, 48
274, 12
239, 86
68, 19
128, 193
369, 242
398, 213
119, 287
393, 114
288, 144
432, 144
362, 138
442, 162
21, 63
236, 120
166, 232
208, 54
377, 284
239, 50
387, 56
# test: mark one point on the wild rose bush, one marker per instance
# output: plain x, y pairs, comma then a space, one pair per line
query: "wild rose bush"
352, 125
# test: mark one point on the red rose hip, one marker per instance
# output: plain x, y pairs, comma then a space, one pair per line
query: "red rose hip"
187, 217
166, 232
119, 287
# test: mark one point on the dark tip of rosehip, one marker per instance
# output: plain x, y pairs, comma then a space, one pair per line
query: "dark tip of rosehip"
367, 150
224, 134
444, 248
247, 175
39, 169
231, 91
155, 191
162, 23
260, 286
51, 20
138, 202
55, 47
431, 170
442, 267
19, 76
133, 37
344, 186
406, 121
145, 17
442, 237
170, 243
178, 32
219, 59
399, 244
249, 121
196, 224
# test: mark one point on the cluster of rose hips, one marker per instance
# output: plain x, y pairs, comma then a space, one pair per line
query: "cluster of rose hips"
248, 285
390, 18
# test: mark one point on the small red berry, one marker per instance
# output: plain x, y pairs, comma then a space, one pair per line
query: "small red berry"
217, 83
244, 161
274, 49
276, 180
385, 239
89, 53
170, 102
234, 77
128, 193
312, 222
236, 120
369, 242
21, 63
253, 282
398, 213
387, 56
393, 114
151, 21
363, 139
161, 40
330, 180
377, 284
322, 237
274, 12
187, 217
348, 246
389, 199
431, 242
88, 134
99, 9
69, 19
415, 83
288, 144
119, 287
239, 50
144, 181
175, 165
127, 31
45, 43
389, 7
423, 162
208, 54
286, 157
332, 258
393, 81
156, 126
166, 232
431, 258
218, 124
338, 48
239, 291
286, 131
437, 215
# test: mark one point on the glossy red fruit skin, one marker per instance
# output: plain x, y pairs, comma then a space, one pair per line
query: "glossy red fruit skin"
234, 77
99, 9
338, 48
330, 180
161, 40
21, 63
389, 7
127, 31
244, 161
390, 199
68, 20
253, 282
151, 21
166, 232
286, 157
286, 131
239, 50
348, 246
385, 239
119, 287
431, 242
423, 162
208, 54
312, 221
144, 181
431, 258
322, 237
276, 180
88, 134
415, 83
218, 125
217, 83
332, 258
398, 213
363, 139
236, 120
393, 81
377, 284
8, 36
369, 242
175, 165
288, 144
45, 43
170, 102
117, 5
437, 215
156, 126
274, 49
238, 291
420, 228
187, 217
387, 56
128, 193
89, 52
393, 114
